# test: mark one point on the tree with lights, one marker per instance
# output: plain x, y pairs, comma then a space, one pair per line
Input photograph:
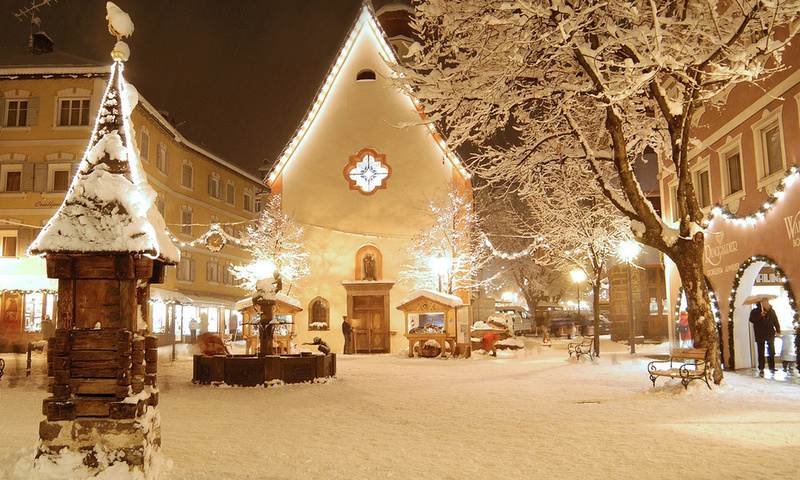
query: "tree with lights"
449, 255
540, 82
276, 244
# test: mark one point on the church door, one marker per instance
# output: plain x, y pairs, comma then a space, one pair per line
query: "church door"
370, 324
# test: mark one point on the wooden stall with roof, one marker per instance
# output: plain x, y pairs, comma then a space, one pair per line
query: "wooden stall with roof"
433, 320
283, 313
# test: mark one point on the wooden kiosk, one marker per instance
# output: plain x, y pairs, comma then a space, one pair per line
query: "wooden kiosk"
434, 316
284, 310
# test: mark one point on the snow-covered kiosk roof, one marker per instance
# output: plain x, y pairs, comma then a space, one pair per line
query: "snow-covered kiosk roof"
109, 207
284, 304
443, 299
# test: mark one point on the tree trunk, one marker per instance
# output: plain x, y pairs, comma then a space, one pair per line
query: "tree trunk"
702, 324
596, 308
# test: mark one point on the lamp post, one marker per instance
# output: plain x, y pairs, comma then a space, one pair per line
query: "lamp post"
439, 266
578, 276
627, 253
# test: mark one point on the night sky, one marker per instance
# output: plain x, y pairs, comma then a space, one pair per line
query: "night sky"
237, 77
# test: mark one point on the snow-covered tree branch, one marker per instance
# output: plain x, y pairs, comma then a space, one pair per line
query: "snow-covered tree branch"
548, 81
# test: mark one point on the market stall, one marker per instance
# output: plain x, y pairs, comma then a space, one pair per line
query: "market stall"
435, 323
283, 317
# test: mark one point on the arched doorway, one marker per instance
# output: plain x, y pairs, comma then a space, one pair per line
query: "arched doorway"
758, 275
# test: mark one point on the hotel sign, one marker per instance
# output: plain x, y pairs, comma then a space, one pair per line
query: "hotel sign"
792, 223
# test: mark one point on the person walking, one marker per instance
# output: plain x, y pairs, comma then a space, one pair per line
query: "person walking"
346, 331
765, 326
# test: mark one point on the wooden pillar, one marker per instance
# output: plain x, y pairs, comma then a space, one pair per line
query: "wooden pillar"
101, 358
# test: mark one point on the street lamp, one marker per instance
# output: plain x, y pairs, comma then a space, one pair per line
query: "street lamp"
439, 266
578, 276
627, 253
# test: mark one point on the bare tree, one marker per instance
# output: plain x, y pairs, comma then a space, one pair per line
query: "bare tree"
449, 255
541, 81
276, 244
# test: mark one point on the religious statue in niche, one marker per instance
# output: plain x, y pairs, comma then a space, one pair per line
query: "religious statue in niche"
368, 267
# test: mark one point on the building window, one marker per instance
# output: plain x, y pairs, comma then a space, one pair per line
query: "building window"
58, 178
186, 220
162, 158
733, 168
248, 200
230, 193
11, 178
675, 214
144, 144
259, 203
769, 151
187, 172
365, 75
161, 204
227, 275
73, 112
8, 244
702, 187
214, 186
17, 113
213, 271
319, 314
185, 270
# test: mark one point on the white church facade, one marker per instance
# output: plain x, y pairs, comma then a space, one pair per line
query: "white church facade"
356, 177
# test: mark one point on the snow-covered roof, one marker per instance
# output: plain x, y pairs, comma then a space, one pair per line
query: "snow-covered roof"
279, 297
443, 298
109, 207
365, 23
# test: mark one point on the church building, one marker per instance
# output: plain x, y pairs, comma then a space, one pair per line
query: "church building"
356, 176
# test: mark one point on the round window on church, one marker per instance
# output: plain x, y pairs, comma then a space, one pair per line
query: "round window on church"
367, 171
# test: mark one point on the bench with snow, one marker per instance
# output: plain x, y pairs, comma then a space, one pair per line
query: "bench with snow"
685, 363
584, 347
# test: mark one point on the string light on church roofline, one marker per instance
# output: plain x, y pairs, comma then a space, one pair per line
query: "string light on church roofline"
718, 211
368, 19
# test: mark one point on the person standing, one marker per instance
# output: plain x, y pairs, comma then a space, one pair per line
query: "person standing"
193, 326
765, 326
346, 331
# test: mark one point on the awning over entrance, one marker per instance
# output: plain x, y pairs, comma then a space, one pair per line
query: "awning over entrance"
28, 283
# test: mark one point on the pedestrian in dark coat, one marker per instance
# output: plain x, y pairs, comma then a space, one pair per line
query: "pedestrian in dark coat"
346, 331
765, 326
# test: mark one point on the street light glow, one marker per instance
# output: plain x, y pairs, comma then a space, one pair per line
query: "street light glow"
627, 251
439, 265
578, 275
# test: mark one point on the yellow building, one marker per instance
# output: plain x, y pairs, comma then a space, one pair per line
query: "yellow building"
48, 105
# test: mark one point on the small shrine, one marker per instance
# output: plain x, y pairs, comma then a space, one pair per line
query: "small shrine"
106, 244
436, 323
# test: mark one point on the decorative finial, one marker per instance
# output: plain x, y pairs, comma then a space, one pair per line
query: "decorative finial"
119, 25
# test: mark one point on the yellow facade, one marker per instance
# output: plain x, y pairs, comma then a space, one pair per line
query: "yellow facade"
48, 113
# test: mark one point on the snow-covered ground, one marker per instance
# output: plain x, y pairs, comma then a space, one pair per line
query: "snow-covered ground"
525, 414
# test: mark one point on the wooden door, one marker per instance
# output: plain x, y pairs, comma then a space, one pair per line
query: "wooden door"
370, 324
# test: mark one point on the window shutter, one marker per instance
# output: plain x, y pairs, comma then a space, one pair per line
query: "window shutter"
33, 111
191, 270
209, 274
39, 177
73, 169
3, 118
210, 185
166, 161
27, 177
24, 236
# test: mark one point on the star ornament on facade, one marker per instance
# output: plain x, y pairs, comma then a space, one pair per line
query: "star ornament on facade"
367, 171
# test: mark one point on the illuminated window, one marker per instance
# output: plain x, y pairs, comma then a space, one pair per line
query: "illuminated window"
319, 314
73, 112
367, 171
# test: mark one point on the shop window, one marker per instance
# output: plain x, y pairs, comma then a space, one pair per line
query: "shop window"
319, 314
73, 112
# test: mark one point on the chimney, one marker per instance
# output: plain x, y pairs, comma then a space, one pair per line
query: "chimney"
40, 44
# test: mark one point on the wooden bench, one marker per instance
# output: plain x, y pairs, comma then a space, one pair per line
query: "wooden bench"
584, 347
685, 363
